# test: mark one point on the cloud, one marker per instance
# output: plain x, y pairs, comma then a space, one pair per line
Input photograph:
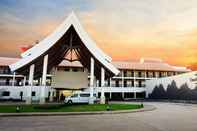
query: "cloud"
126, 29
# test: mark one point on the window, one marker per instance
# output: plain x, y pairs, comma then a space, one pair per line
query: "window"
7, 82
139, 74
49, 93
80, 69
125, 83
160, 74
6, 93
84, 95
33, 93
133, 83
117, 83
125, 73
140, 83
1, 70
66, 69
74, 95
154, 74
108, 82
129, 73
75, 70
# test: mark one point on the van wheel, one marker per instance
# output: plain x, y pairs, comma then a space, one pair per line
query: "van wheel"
70, 102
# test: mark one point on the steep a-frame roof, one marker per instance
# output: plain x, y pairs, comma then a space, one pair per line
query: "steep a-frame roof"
46, 44
55, 36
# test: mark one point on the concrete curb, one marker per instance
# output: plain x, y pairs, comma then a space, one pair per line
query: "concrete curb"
146, 108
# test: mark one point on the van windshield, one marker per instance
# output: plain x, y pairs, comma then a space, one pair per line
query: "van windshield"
87, 95
74, 95
84, 95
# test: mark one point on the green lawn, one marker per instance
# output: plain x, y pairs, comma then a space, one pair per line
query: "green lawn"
68, 108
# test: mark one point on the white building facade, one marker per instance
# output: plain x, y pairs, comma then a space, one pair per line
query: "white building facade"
131, 83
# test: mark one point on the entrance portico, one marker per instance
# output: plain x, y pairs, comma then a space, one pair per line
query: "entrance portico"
68, 39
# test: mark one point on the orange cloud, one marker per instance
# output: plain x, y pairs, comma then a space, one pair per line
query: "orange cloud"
175, 46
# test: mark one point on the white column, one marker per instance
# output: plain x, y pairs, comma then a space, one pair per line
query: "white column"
51, 95
31, 75
97, 83
44, 73
134, 84
44, 76
123, 95
102, 86
146, 94
24, 81
122, 82
134, 95
134, 78
145, 80
110, 82
29, 88
91, 100
13, 80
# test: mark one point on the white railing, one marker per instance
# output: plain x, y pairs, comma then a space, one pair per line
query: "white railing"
116, 89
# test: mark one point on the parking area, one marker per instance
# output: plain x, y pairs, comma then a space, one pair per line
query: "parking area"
167, 117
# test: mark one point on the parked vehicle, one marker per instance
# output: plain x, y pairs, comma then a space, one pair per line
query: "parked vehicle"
81, 97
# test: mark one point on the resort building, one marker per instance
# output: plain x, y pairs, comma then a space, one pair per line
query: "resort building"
68, 60
130, 83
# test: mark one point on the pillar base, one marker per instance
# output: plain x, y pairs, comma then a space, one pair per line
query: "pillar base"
51, 99
146, 94
42, 100
102, 100
135, 95
28, 100
91, 100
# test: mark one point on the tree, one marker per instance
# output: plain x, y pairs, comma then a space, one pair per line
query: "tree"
153, 95
161, 92
194, 93
184, 93
172, 91
158, 92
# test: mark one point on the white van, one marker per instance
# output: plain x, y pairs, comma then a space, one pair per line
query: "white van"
81, 97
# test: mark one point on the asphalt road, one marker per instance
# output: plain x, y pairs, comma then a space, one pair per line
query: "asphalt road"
167, 117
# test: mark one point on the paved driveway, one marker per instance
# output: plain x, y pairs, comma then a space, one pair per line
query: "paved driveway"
167, 117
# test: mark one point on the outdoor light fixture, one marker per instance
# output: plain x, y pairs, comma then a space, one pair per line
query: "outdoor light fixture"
17, 109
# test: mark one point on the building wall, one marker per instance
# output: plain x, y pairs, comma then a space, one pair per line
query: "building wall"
14, 92
127, 83
70, 79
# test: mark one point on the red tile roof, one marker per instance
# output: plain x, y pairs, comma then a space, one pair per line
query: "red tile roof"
5, 61
159, 66
143, 64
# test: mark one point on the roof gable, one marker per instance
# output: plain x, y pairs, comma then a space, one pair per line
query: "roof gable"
47, 43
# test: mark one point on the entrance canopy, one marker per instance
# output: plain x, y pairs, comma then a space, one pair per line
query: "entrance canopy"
68, 37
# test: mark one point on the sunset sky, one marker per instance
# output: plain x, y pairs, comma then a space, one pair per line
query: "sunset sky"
124, 29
